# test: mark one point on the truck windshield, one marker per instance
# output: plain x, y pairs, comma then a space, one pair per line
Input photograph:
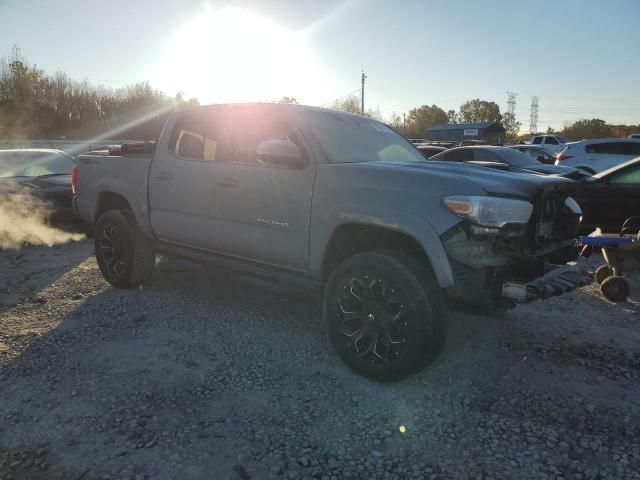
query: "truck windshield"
351, 139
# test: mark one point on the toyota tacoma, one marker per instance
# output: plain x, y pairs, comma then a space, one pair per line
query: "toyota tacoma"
338, 201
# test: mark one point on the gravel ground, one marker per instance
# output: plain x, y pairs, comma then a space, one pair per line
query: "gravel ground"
199, 375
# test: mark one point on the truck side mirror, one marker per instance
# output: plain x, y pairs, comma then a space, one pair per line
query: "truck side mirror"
283, 153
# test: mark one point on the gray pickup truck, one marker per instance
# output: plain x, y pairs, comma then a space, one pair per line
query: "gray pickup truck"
337, 201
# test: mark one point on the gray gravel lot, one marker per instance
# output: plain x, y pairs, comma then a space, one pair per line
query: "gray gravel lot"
199, 375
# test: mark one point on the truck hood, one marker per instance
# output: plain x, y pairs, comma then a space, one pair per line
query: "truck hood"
492, 181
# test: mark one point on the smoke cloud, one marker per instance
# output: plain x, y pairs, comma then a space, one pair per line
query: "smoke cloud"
23, 220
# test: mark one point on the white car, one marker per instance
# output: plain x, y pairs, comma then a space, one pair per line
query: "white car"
553, 143
597, 155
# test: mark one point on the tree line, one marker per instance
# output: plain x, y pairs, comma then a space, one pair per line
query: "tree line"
34, 104
415, 123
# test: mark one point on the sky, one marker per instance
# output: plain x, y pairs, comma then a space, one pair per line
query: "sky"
580, 57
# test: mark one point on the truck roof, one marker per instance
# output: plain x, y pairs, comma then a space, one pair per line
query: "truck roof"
279, 106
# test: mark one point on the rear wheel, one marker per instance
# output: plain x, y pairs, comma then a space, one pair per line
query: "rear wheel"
385, 315
124, 255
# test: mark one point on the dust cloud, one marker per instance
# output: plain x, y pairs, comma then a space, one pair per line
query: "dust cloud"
23, 220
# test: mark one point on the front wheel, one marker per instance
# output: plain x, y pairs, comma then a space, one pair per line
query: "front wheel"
385, 315
124, 255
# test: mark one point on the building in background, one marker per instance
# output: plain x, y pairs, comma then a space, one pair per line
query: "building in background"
457, 132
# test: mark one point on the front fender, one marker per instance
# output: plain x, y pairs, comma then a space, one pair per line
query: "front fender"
403, 222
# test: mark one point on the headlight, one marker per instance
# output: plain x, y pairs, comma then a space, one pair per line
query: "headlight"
492, 212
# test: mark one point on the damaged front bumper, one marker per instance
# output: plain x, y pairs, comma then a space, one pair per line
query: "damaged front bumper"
559, 279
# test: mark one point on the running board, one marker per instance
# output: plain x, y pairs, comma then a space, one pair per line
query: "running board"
559, 280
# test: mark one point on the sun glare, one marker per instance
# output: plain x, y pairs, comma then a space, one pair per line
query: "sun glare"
234, 55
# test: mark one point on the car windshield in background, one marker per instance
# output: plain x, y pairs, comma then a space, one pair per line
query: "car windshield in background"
16, 163
351, 139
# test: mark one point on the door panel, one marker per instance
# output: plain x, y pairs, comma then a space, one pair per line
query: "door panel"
263, 211
182, 183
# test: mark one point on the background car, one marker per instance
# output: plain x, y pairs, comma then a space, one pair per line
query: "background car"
505, 158
597, 155
634, 135
554, 143
537, 152
610, 197
45, 175
430, 150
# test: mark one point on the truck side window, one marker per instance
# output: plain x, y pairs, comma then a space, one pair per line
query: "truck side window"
194, 140
551, 141
251, 127
537, 140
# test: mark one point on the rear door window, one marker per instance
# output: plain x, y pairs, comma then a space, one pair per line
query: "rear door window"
551, 141
537, 140
196, 139
483, 155
614, 148
462, 155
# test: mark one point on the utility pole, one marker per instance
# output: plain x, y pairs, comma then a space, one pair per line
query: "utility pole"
404, 121
362, 93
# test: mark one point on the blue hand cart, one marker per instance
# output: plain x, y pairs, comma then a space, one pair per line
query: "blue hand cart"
622, 254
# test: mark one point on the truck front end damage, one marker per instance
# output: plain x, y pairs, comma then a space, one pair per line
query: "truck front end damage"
510, 250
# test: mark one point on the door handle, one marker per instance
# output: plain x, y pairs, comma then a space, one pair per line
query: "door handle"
228, 182
164, 176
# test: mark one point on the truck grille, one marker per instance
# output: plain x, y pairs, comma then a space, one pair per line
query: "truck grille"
551, 222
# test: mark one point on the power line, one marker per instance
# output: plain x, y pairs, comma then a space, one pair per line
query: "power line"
340, 98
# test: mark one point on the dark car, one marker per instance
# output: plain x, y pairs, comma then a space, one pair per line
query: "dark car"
610, 197
505, 158
43, 174
429, 150
537, 152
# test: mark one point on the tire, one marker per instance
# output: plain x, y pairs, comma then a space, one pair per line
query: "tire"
124, 255
615, 289
385, 314
602, 273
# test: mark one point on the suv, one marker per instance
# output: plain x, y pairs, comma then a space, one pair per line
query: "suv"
553, 143
597, 155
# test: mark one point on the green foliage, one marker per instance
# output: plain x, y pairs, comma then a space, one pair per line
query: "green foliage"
453, 116
421, 118
477, 110
34, 104
512, 126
